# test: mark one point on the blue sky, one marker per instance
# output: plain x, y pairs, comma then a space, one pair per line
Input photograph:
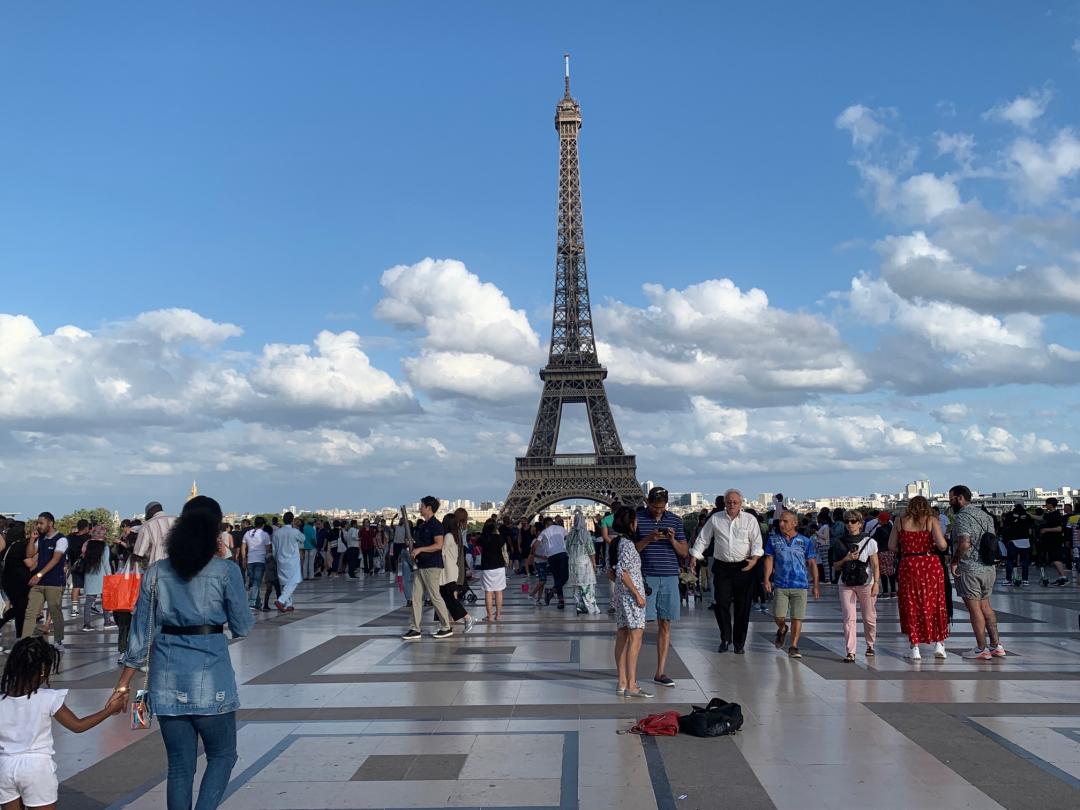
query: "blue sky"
261, 165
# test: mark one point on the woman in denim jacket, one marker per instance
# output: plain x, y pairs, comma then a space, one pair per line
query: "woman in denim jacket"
192, 687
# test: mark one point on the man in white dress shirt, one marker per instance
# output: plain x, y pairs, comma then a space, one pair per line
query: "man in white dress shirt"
737, 548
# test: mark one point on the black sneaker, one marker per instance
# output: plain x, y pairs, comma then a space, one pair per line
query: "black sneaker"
412, 635
664, 680
441, 634
1061, 582
723, 648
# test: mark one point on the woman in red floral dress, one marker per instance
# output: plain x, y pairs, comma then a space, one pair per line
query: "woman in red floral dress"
917, 537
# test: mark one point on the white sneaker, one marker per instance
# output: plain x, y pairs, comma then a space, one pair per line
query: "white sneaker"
976, 654
939, 651
998, 651
913, 654
469, 622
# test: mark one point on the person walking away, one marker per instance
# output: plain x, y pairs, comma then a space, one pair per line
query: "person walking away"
918, 539
558, 561
661, 541
974, 578
857, 568
308, 552
95, 567
15, 577
351, 534
453, 573
76, 541
630, 601
493, 556
253, 553
125, 557
1017, 531
287, 541
225, 542
185, 602
580, 551
150, 545
1052, 540
791, 558
28, 705
427, 554
45, 561
538, 561
367, 546
737, 549
271, 582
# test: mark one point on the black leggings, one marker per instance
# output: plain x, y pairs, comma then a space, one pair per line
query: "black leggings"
888, 583
17, 611
449, 593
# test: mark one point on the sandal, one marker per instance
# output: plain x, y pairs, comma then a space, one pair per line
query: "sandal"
781, 634
849, 658
870, 652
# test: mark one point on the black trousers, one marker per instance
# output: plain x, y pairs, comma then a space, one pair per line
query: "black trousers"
733, 588
559, 566
17, 611
369, 560
449, 593
352, 559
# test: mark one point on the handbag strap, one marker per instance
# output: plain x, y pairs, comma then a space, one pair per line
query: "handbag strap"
150, 632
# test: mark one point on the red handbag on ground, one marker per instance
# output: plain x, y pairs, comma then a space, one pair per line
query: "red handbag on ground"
665, 724
120, 591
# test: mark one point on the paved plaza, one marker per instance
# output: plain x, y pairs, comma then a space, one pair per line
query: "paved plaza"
338, 712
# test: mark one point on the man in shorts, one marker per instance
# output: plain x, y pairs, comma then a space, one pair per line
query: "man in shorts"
661, 541
790, 568
973, 579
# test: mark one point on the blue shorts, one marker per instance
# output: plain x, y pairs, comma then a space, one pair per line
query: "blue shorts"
541, 571
663, 602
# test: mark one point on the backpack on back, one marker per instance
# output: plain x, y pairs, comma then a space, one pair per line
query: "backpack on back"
989, 552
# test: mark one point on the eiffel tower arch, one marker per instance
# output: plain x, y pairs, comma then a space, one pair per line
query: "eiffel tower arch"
573, 373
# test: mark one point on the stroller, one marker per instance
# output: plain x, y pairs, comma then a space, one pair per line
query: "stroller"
465, 592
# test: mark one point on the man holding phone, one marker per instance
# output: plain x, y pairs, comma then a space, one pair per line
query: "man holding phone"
661, 541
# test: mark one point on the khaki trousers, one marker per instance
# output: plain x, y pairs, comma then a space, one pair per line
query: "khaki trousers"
45, 595
425, 582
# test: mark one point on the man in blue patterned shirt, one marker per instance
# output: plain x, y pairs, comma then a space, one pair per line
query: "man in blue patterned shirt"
792, 558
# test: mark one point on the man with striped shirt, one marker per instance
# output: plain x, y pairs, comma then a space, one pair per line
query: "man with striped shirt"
661, 541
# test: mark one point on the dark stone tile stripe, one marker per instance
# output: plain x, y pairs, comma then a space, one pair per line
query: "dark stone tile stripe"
540, 711
1006, 774
302, 668
704, 771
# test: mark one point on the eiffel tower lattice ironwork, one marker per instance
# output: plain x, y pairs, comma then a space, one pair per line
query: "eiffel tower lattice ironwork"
573, 373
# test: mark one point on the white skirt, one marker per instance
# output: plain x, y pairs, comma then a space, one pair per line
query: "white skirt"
494, 580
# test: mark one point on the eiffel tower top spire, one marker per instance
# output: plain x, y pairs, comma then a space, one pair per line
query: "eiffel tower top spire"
572, 343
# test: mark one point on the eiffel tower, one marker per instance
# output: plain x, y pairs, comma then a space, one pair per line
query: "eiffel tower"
573, 373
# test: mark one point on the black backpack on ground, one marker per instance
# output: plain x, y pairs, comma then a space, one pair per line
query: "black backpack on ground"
715, 720
989, 552
853, 572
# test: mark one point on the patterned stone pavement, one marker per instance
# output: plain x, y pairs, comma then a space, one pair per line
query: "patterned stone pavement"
340, 713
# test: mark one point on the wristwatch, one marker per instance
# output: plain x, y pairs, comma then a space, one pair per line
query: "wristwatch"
121, 689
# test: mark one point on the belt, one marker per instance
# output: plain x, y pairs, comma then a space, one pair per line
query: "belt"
192, 629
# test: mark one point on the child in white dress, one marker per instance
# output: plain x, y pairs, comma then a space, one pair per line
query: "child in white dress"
27, 709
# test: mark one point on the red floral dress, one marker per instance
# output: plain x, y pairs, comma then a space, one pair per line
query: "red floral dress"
923, 617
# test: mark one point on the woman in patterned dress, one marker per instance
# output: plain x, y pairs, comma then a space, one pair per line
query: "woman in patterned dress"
629, 601
917, 537
580, 548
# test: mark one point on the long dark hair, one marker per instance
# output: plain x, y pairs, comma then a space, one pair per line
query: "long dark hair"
29, 665
192, 540
95, 550
622, 524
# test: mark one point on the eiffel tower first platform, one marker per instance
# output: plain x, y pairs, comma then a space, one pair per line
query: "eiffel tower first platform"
573, 373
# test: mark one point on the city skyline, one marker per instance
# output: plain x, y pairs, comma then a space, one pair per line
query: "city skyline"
811, 270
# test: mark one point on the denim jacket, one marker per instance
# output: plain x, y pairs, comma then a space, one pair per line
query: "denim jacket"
190, 674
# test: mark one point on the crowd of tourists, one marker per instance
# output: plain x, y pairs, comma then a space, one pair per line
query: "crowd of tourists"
199, 576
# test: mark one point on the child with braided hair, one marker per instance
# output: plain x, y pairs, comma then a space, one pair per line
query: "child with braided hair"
27, 708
